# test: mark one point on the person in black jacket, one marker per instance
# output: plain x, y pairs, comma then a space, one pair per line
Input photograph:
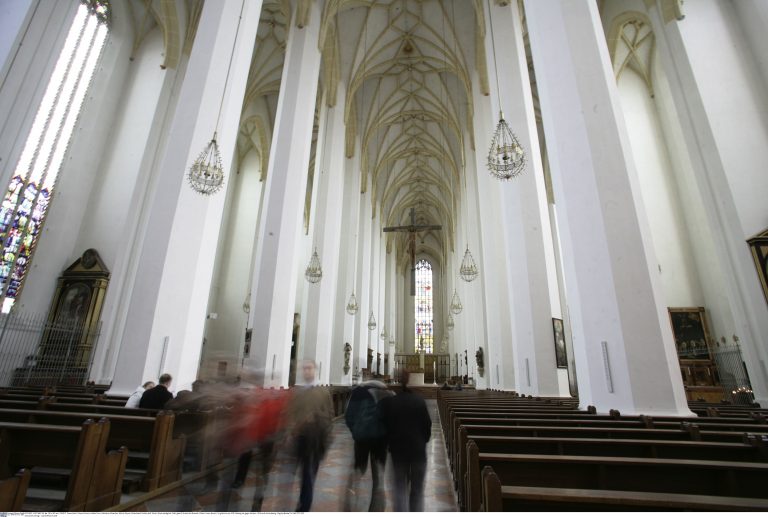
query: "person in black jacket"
409, 428
157, 397
364, 422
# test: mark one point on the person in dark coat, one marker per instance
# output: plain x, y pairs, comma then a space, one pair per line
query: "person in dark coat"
157, 397
364, 422
409, 428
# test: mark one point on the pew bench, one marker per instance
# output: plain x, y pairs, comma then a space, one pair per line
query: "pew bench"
154, 455
506, 498
675, 476
77, 454
13, 491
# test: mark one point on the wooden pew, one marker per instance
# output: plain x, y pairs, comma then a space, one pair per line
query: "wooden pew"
13, 491
150, 440
585, 446
500, 498
95, 476
727, 479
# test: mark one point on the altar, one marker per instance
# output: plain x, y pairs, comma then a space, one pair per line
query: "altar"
416, 379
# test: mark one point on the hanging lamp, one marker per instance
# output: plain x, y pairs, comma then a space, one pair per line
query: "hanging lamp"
371, 322
352, 305
450, 323
456, 306
468, 270
383, 335
314, 272
206, 174
506, 158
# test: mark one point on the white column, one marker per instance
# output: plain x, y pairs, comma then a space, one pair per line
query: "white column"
375, 294
344, 329
622, 340
726, 137
364, 279
498, 345
323, 303
525, 219
166, 312
274, 288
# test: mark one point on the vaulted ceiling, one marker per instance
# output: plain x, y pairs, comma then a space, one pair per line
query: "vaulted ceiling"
402, 71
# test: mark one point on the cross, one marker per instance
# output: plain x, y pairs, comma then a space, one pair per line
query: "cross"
412, 229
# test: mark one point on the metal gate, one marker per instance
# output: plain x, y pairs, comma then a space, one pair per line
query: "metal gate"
37, 352
733, 374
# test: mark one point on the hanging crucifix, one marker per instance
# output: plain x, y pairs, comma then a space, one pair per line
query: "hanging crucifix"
412, 229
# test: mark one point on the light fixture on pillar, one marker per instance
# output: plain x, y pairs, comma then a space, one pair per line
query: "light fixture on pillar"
314, 272
468, 270
352, 305
206, 174
506, 158
247, 303
371, 322
383, 335
450, 323
456, 306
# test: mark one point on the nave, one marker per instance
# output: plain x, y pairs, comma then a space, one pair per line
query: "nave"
282, 490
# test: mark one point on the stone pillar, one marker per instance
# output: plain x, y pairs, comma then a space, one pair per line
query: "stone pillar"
725, 137
625, 356
362, 335
273, 293
323, 303
525, 219
497, 343
166, 311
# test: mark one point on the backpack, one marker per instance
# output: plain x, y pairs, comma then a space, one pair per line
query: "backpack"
367, 423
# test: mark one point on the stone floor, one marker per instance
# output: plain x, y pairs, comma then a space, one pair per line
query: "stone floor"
283, 488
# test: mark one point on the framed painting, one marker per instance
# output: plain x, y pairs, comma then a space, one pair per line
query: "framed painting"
759, 246
689, 327
561, 357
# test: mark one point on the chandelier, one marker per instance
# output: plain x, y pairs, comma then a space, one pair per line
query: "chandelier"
371, 322
383, 335
456, 306
314, 272
450, 323
247, 303
206, 174
468, 270
506, 158
352, 305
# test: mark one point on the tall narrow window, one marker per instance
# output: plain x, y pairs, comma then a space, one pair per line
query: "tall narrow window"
26, 200
424, 324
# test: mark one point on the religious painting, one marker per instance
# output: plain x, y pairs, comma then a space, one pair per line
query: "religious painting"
759, 246
75, 300
690, 331
560, 355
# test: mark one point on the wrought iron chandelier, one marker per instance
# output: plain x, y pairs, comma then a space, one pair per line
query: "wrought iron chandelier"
456, 306
371, 322
352, 305
383, 335
247, 303
450, 323
468, 270
206, 174
506, 158
314, 272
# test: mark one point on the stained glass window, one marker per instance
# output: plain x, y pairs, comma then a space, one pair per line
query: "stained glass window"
23, 208
424, 313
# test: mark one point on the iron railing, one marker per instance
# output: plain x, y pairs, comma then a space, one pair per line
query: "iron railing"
37, 352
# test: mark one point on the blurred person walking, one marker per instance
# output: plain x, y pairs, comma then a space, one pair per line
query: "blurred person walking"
363, 419
310, 415
409, 428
